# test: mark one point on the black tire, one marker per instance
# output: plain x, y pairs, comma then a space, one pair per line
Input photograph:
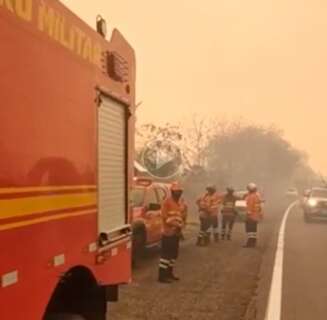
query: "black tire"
138, 244
64, 316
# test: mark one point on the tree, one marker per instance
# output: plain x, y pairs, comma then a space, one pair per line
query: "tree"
191, 141
195, 142
156, 143
231, 153
240, 153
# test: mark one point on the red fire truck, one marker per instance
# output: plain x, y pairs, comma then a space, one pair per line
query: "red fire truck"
66, 163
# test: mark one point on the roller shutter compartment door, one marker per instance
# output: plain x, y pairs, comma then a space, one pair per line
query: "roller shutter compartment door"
111, 165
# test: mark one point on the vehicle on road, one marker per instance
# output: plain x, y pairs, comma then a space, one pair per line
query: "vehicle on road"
240, 205
304, 197
292, 193
146, 200
66, 165
315, 205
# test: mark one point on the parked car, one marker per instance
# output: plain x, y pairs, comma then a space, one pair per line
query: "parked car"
304, 197
240, 205
146, 200
292, 193
315, 205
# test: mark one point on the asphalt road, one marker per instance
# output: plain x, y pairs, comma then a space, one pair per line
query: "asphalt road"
304, 294
217, 283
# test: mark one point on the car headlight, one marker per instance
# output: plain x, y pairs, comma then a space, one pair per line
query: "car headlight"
312, 202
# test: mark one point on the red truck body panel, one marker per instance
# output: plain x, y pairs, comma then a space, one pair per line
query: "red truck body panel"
51, 64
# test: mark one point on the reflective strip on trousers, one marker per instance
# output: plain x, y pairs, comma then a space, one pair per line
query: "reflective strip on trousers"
165, 261
164, 264
201, 234
252, 235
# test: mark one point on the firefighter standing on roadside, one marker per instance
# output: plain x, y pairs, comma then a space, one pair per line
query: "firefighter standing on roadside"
208, 205
254, 215
174, 212
229, 213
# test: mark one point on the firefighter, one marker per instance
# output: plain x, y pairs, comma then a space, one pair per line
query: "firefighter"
174, 212
208, 205
254, 215
229, 213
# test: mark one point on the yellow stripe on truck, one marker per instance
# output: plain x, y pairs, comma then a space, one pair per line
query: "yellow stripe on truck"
20, 224
19, 207
45, 189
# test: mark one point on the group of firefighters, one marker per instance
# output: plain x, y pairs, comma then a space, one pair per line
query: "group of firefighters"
174, 214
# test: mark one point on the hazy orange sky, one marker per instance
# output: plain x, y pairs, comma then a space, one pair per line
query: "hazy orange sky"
263, 60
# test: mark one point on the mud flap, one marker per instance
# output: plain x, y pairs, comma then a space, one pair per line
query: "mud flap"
112, 293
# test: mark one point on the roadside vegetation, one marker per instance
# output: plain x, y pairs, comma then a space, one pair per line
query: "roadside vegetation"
233, 153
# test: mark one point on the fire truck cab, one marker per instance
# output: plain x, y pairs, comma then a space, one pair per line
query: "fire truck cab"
146, 201
66, 164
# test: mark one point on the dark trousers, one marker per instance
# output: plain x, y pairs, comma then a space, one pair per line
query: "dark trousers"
206, 223
251, 228
169, 251
228, 222
170, 247
214, 223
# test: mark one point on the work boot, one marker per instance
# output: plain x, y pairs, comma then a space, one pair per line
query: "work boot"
164, 276
216, 237
251, 243
175, 278
171, 274
254, 243
248, 244
222, 237
206, 240
199, 241
229, 237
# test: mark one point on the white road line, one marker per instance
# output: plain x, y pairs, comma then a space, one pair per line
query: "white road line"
275, 295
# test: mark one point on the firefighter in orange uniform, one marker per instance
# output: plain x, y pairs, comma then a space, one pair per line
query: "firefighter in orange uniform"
229, 213
208, 205
254, 215
174, 212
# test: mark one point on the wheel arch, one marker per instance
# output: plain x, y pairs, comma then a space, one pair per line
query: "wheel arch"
78, 292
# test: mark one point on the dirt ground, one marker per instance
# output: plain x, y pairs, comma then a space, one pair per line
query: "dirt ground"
217, 282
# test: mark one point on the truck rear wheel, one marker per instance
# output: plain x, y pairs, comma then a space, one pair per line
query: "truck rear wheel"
138, 244
77, 297
64, 317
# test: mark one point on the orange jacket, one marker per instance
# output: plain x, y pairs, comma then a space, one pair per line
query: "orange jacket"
173, 216
254, 208
209, 204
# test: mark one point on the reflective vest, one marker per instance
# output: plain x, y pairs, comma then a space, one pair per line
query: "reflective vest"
254, 207
173, 216
229, 202
209, 204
